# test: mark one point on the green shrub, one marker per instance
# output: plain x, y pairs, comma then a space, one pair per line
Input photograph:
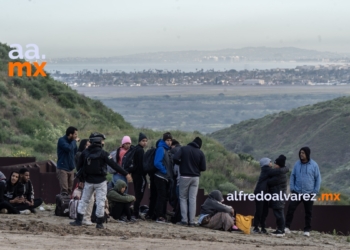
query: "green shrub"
71, 96
75, 113
44, 147
64, 102
3, 89
2, 104
35, 92
30, 125
3, 136
5, 123
15, 110
228, 187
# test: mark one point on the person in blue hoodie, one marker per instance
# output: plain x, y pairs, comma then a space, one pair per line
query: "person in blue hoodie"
66, 151
305, 179
163, 175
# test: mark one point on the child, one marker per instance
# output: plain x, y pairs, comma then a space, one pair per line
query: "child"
119, 202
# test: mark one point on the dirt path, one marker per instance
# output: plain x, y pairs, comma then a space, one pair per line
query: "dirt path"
46, 231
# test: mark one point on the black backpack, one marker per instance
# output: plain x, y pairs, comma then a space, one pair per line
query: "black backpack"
62, 205
148, 161
128, 160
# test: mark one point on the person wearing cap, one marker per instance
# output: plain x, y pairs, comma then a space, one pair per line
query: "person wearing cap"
92, 168
138, 175
192, 162
305, 179
262, 206
163, 175
278, 185
121, 151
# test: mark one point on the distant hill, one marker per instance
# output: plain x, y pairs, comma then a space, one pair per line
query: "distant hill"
35, 112
324, 127
243, 54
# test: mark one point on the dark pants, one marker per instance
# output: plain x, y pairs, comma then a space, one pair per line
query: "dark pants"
2, 191
23, 206
152, 198
308, 213
162, 196
279, 215
10, 209
140, 184
261, 212
120, 209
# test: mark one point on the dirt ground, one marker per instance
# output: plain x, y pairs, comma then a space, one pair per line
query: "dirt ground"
43, 230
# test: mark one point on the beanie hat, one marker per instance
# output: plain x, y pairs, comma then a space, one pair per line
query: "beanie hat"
126, 139
264, 162
198, 141
307, 151
175, 142
142, 136
167, 136
281, 161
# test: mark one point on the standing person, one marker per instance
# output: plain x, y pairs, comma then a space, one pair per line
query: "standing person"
25, 189
121, 151
276, 185
192, 162
305, 179
262, 206
93, 168
138, 175
66, 150
162, 176
175, 147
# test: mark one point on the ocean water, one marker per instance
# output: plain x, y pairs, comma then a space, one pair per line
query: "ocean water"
185, 67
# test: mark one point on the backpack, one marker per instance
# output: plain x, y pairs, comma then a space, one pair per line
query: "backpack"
62, 205
148, 161
128, 160
73, 209
114, 156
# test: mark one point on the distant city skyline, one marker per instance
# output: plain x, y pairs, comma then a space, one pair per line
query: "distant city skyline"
114, 28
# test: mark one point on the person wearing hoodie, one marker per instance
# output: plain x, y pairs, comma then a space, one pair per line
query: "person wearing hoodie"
192, 162
138, 175
120, 202
305, 179
4, 201
163, 175
262, 206
276, 185
216, 215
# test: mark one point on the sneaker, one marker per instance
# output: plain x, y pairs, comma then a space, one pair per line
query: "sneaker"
193, 224
277, 233
124, 218
161, 220
263, 231
3, 211
26, 212
87, 223
181, 223
133, 219
256, 230
287, 230
307, 234
32, 210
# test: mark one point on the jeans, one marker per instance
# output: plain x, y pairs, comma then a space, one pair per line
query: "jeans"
279, 215
188, 198
120, 177
101, 192
308, 213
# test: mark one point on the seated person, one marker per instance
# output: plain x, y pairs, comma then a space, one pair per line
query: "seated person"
25, 192
7, 199
216, 215
119, 202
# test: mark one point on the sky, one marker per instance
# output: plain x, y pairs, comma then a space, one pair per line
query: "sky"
86, 28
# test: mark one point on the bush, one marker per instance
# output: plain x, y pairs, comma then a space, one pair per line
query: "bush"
2, 104
44, 147
15, 110
3, 136
3, 89
64, 102
75, 113
228, 187
30, 125
5, 123
35, 92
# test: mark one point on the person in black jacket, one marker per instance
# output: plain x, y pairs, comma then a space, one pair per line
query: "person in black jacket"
4, 202
138, 175
262, 206
277, 184
92, 167
192, 162
25, 189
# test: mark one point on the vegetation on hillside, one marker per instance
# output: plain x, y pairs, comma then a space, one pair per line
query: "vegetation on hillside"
35, 112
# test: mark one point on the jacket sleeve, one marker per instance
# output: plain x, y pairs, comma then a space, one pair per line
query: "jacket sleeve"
292, 179
138, 160
30, 192
317, 180
67, 147
116, 197
219, 207
109, 160
274, 181
203, 165
277, 171
177, 157
158, 160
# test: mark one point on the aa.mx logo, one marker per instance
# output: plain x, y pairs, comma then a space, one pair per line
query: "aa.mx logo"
31, 53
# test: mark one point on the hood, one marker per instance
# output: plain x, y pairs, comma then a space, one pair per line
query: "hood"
216, 195
307, 151
162, 143
119, 185
193, 144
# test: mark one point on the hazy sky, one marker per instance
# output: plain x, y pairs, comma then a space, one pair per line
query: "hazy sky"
86, 28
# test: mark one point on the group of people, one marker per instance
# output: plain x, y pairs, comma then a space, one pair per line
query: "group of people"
17, 193
305, 179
